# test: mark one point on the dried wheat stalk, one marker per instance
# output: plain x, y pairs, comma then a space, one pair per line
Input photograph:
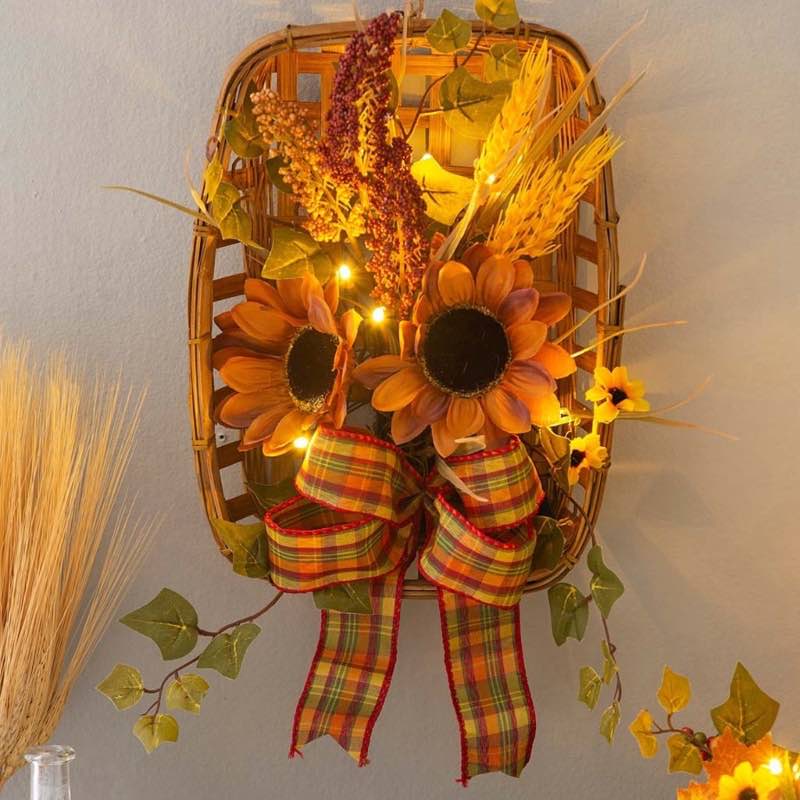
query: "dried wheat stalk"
64, 450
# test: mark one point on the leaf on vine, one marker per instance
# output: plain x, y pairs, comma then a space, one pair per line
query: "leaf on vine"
675, 691
248, 546
169, 620
606, 587
610, 668
469, 104
549, 544
293, 253
123, 686
503, 62
237, 225
609, 722
352, 598
749, 712
449, 33
226, 651
445, 193
683, 755
589, 688
569, 612
187, 692
641, 730
500, 13
153, 730
273, 166
212, 177
242, 132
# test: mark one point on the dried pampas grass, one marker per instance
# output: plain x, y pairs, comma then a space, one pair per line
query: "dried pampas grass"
67, 547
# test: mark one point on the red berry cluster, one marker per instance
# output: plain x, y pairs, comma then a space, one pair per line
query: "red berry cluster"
359, 151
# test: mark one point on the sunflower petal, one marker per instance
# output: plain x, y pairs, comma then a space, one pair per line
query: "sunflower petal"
443, 439
553, 307
422, 310
349, 323
523, 275
475, 255
253, 374
221, 356
406, 425
259, 291
596, 393
263, 426
602, 376
528, 379
291, 294
225, 321
556, 360
519, 306
399, 389
619, 377
509, 413
495, 280
456, 284
320, 316
239, 410
375, 370
464, 417
606, 412
331, 294
290, 427
262, 323
408, 334
431, 404
526, 339
545, 410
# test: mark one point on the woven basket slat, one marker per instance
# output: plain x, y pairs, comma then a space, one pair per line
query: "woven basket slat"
281, 60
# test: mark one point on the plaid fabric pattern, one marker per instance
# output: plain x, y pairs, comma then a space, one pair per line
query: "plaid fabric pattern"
483, 653
351, 672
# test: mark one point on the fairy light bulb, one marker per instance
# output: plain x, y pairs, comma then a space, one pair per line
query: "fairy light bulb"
378, 314
301, 442
774, 765
344, 272
491, 179
425, 157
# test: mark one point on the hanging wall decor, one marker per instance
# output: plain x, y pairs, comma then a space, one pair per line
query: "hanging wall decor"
421, 350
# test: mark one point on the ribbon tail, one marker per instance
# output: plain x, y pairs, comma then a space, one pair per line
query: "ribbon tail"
488, 685
351, 672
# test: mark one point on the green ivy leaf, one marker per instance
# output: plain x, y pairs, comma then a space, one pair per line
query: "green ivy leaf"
268, 495
569, 612
186, 693
293, 253
445, 193
749, 711
610, 668
589, 688
169, 620
683, 755
504, 62
609, 722
273, 166
212, 177
606, 587
123, 686
500, 13
675, 691
449, 33
153, 730
225, 199
226, 651
248, 546
352, 598
237, 225
549, 544
469, 104
242, 132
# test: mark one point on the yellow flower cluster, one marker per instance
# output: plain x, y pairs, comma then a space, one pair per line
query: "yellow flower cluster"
331, 207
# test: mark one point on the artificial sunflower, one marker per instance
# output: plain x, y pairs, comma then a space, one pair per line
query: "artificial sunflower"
586, 452
747, 783
613, 392
475, 358
287, 358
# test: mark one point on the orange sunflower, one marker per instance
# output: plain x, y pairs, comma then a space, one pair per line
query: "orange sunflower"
287, 358
475, 358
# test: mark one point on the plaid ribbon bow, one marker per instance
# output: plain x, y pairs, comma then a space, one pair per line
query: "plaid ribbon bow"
359, 515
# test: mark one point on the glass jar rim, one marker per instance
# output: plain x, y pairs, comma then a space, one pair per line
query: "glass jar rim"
50, 754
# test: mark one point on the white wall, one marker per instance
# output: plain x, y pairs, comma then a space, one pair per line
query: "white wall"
701, 530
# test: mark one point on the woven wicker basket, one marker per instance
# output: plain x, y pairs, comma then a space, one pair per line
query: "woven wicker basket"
585, 265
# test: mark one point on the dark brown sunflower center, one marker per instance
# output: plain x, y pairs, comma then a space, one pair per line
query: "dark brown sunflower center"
748, 794
618, 395
309, 367
465, 351
576, 459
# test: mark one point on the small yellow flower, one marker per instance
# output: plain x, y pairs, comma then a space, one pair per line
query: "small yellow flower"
586, 453
613, 392
747, 784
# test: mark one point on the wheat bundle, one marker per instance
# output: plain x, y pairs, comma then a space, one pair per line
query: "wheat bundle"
68, 548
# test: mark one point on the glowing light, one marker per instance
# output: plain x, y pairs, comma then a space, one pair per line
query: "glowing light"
378, 314
301, 442
491, 179
774, 765
425, 156
345, 273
